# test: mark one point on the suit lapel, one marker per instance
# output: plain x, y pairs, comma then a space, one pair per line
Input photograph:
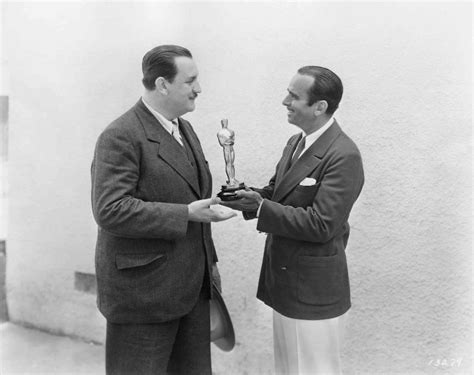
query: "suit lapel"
285, 161
307, 163
169, 150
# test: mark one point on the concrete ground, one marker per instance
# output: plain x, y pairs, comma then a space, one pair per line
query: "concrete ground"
28, 351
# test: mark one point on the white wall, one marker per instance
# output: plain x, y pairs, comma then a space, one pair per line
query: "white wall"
3, 62
406, 68
3, 136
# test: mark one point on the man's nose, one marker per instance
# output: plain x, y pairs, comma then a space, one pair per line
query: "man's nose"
197, 87
286, 102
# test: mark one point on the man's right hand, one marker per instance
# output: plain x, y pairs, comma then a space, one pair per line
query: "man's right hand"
248, 201
201, 211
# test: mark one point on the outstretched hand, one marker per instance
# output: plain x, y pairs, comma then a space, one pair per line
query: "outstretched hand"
201, 211
249, 200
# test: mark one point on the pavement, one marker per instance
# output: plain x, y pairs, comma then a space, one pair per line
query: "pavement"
29, 351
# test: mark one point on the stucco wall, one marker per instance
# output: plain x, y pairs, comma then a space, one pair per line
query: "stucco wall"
407, 104
3, 137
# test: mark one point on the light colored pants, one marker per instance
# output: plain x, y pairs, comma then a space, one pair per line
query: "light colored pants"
307, 347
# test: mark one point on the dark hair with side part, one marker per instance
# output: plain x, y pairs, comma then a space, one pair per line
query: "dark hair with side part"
327, 86
159, 62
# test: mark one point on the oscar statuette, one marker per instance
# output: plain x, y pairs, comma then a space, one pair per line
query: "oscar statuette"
226, 138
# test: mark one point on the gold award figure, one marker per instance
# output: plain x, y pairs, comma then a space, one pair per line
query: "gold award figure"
226, 138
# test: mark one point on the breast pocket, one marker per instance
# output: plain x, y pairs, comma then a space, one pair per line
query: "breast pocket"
319, 280
303, 196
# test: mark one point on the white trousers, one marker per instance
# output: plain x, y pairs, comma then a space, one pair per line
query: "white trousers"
307, 347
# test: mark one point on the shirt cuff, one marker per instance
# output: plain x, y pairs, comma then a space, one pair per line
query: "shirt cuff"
259, 208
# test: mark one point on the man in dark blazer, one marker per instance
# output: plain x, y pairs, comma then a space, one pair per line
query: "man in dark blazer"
304, 211
155, 258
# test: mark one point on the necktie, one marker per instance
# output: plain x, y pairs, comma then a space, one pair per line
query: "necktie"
175, 132
299, 150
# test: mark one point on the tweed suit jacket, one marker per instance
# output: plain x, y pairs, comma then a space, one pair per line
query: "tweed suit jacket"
304, 270
150, 261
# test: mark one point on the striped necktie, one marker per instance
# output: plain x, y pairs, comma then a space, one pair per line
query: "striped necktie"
175, 132
299, 150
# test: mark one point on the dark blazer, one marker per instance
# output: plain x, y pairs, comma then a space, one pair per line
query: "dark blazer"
150, 261
304, 271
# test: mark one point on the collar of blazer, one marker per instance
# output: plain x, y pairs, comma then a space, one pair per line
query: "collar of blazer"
170, 151
288, 179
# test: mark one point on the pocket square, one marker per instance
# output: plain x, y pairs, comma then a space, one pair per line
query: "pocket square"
308, 181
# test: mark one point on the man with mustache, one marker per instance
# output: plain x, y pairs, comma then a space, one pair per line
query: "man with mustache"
155, 258
304, 210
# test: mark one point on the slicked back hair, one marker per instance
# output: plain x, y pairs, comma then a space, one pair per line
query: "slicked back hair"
327, 86
159, 62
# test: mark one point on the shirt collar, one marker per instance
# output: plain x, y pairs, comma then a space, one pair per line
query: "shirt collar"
167, 124
311, 138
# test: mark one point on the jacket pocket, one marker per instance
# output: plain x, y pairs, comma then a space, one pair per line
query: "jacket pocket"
311, 189
319, 280
133, 260
302, 196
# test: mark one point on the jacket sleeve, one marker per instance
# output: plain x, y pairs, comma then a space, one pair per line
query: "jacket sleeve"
115, 175
339, 188
266, 192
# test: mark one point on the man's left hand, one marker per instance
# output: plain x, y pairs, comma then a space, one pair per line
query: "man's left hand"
248, 201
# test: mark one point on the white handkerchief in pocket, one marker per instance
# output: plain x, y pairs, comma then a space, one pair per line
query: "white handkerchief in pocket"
308, 181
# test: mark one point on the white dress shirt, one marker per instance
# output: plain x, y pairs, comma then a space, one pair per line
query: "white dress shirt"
311, 138
167, 124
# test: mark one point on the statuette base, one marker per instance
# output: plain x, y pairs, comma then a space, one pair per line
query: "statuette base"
228, 192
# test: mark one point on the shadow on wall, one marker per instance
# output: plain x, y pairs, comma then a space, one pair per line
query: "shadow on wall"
3, 203
3, 296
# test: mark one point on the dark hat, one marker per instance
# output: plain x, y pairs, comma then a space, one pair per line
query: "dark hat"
222, 331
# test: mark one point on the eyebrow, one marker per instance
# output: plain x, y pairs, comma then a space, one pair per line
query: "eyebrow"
293, 94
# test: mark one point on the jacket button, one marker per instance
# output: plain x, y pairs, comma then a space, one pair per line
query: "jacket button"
283, 268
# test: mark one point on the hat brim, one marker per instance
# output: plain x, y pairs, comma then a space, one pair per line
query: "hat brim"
227, 342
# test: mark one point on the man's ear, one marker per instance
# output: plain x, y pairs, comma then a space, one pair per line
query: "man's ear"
320, 108
161, 85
